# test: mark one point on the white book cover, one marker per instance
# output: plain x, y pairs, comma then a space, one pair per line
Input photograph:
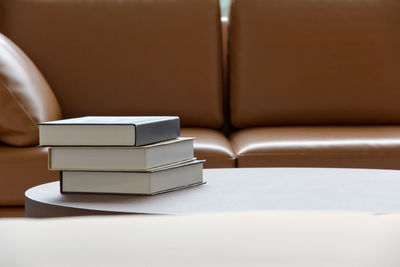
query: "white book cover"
142, 183
109, 131
121, 158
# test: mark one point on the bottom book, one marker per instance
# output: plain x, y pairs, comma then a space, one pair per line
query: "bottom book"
154, 181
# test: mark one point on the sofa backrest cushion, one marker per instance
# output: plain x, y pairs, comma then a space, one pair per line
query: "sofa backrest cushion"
310, 62
25, 97
125, 57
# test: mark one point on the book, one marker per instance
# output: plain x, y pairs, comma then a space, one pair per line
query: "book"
152, 182
121, 158
109, 131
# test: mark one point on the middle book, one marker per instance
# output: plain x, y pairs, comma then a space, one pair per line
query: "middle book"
121, 158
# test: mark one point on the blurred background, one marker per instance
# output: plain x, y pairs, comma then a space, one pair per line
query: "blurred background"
224, 7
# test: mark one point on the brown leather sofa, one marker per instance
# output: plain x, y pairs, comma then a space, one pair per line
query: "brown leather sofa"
296, 83
315, 83
120, 58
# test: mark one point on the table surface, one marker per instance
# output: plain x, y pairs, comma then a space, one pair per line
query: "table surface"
240, 189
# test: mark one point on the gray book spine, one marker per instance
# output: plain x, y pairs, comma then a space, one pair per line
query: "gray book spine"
148, 133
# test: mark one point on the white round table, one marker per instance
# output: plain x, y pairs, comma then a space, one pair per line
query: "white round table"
239, 189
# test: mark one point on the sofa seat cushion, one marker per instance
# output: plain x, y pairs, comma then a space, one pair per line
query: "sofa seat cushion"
330, 146
22, 168
12, 211
212, 146
25, 97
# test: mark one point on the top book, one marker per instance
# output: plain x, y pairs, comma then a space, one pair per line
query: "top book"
109, 131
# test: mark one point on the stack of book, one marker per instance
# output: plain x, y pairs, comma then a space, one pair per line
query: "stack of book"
121, 155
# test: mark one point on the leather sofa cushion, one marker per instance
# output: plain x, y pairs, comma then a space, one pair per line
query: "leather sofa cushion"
212, 146
347, 146
125, 57
12, 211
22, 168
275, 238
314, 62
25, 97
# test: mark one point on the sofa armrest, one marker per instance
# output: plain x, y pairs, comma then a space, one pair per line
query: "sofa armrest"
26, 97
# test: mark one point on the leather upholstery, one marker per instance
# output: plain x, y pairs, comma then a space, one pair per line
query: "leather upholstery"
12, 211
21, 169
25, 97
125, 57
330, 146
212, 146
314, 62
291, 63
156, 57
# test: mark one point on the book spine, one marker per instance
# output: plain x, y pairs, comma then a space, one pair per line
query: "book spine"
148, 133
